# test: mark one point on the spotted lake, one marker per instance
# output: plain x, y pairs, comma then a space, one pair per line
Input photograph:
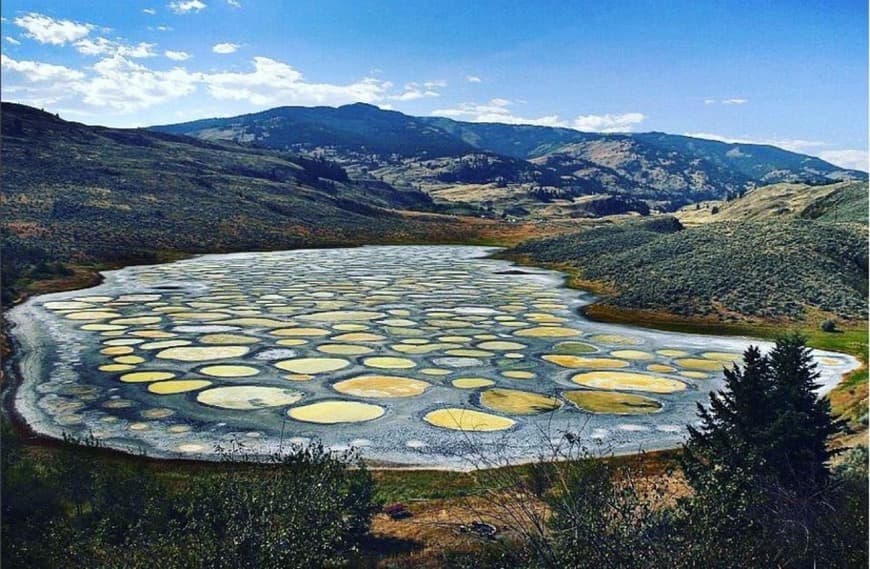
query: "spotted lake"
432, 356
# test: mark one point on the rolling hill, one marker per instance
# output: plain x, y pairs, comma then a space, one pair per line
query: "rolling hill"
76, 193
532, 165
756, 258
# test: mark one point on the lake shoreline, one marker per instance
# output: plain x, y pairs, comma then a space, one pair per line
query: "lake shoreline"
15, 375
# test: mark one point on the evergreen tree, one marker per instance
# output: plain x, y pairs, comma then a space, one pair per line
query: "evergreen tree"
758, 463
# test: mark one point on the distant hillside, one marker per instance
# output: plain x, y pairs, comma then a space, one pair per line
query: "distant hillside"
533, 164
844, 202
77, 193
732, 270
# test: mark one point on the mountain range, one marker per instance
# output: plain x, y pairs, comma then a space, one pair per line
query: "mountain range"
541, 171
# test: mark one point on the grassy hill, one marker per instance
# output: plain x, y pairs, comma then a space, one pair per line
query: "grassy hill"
76, 193
727, 270
845, 202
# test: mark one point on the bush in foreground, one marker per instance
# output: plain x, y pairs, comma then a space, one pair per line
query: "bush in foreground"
308, 508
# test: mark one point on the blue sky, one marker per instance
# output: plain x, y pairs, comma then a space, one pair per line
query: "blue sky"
790, 73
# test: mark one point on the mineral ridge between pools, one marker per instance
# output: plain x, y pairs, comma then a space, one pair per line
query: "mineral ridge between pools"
437, 356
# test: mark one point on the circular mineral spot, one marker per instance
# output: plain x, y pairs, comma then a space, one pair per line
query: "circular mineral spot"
116, 350
118, 404
611, 402
435, 371
695, 374
179, 428
344, 349
200, 316
455, 339
160, 413
115, 367
350, 327
255, 322
574, 348
163, 344
659, 368
568, 361
190, 447
467, 420
177, 386
617, 339
229, 371
358, 337
201, 354
628, 381
67, 305
700, 364
312, 365
152, 334
727, 357
469, 353
298, 377
632, 354
94, 299
827, 361
102, 327
515, 402
472, 382
672, 353
386, 362
421, 348
397, 322
139, 427
128, 360
292, 332
457, 362
381, 386
136, 320
123, 342
92, 315
332, 412
248, 397
547, 332
518, 374
342, 316
291, 342
227, 339
145, 376
500, 346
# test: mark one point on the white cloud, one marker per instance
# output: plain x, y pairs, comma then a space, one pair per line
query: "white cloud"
176, 55
224, 48
497, 110
276, 83
852, 158
126, 86
848, 158
473, 79
149, 11
164, 29
415, 91
35, 71
48, 30
36, 83
792, 144
608, 122
729, 101
12, 40
103, 46
234, 3
187, 6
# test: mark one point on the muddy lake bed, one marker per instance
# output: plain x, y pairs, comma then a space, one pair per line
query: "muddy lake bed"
417, 356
